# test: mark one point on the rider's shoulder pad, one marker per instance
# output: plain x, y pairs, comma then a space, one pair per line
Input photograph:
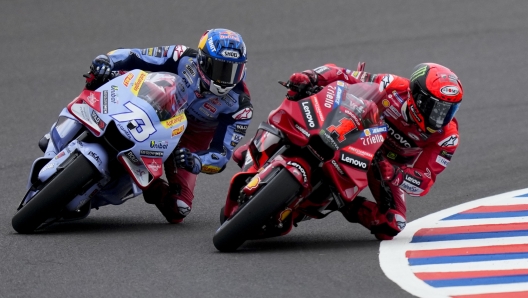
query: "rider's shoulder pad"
245, 108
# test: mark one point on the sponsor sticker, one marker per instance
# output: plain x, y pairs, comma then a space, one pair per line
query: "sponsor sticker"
302, 130
177, 131
230, 54
330, 95
301, 169
139, 81
127, 79
151, 153
237, 138
240, 128
132, 157
209, 107
449, 141
105, 102
96, 157
398, 97
449, 90
154, 165
243, 114
308, 113
410, 188
442, 161
93, 99
174, 120
360, 152
321, 69
385, 81
355, 161
100, 123
159, 144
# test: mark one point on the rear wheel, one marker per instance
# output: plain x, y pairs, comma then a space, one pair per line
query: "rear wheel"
54, 195
269, 200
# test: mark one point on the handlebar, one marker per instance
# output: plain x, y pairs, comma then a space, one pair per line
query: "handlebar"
310, 90
92, 83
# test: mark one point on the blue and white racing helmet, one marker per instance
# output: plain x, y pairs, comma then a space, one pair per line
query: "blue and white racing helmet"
222, 60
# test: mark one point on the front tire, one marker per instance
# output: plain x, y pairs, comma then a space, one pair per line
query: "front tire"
269, 200
52, 198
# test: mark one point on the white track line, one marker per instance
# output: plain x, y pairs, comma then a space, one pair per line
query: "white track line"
396, 267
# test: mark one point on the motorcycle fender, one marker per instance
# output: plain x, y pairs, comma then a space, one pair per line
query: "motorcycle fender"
237, 182
64, 130
37, 166
298, 168
262, 178
93, 152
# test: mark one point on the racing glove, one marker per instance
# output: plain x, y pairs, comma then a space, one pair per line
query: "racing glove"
186, 160
101, 67
299, 83
389, 173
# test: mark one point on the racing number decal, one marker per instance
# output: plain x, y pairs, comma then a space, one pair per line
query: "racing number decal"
346, 125
139, 122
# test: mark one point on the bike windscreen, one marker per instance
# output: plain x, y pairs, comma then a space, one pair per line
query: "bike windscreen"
363, 100
165, 92
355, 109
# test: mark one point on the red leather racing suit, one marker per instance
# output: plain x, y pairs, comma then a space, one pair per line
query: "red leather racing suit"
420, 155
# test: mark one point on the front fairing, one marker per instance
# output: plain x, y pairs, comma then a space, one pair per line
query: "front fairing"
345, 119
152, 126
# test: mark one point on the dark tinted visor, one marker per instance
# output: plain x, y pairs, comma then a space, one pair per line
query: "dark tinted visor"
436, 113
222, 72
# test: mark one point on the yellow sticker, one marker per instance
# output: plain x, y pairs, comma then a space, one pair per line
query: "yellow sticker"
177, 131
127, 79
179, 118
386, 103
253, 183
210, 169
139, 81
150, 51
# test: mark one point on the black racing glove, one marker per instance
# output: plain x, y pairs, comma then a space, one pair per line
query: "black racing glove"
186, 160
101, 67
301, 84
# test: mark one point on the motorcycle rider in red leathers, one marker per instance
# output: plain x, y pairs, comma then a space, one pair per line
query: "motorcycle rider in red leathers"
422, 138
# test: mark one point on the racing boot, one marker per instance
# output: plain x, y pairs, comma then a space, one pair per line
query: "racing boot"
384, 226
239, 156
173, 208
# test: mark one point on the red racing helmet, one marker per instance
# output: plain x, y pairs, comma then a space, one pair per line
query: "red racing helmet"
436, 95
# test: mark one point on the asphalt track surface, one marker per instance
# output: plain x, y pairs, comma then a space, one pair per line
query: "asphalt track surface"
129, 250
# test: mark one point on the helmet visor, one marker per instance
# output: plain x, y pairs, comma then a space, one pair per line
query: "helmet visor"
222, 72
436, 113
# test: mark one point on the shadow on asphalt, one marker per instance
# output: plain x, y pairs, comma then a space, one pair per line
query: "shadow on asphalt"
115, 225
307, 243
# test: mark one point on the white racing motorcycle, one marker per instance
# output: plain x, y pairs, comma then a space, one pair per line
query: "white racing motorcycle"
106, 146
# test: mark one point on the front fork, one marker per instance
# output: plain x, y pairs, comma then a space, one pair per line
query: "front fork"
245, 184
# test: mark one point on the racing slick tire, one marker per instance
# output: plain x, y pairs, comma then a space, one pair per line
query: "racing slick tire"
251, 216
56, 192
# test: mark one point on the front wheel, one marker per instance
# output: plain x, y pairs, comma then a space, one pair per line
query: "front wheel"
55, 194
269, 200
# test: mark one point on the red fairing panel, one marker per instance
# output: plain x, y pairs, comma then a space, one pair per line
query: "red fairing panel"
420, 156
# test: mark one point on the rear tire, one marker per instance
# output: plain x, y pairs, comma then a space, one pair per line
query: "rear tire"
269, 200
52, 198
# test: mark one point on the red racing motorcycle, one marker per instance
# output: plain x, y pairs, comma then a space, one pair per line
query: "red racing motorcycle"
310, 159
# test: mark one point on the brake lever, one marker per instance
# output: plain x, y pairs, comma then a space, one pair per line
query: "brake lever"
285, 84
